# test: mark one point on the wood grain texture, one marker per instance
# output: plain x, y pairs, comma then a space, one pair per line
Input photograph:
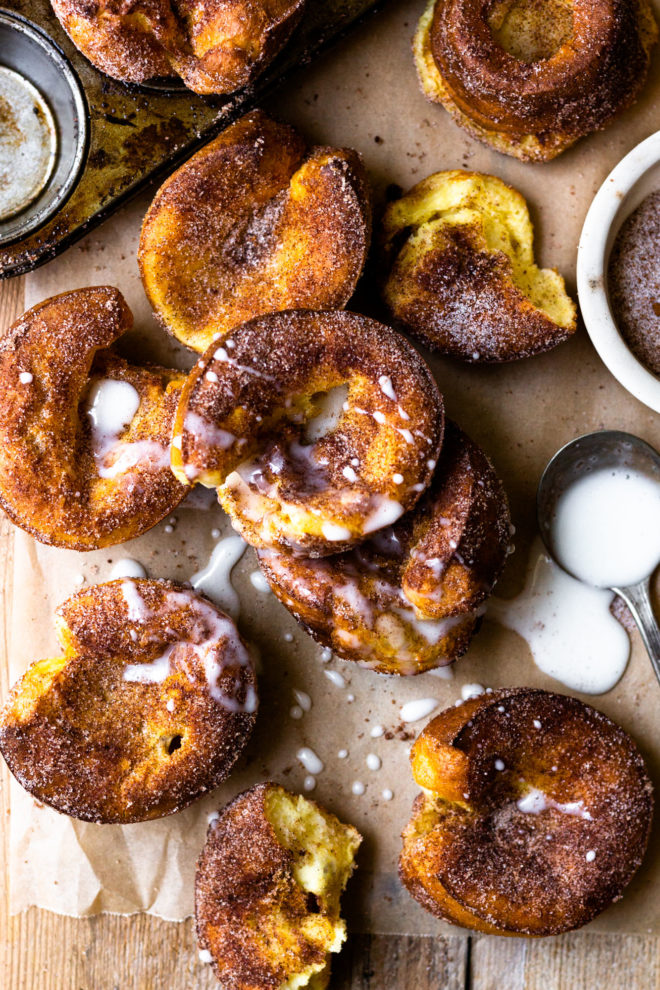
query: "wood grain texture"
43, 951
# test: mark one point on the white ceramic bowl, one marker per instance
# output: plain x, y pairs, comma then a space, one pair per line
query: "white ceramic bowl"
636, 175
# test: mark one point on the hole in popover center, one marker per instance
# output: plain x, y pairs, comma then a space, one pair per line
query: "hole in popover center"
531, 30
172, 743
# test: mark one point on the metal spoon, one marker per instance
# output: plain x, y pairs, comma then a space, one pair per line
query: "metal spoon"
592, 452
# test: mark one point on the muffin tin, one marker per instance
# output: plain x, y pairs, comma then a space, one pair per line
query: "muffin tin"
113, 138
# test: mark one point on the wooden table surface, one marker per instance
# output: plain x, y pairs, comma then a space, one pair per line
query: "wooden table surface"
44, 951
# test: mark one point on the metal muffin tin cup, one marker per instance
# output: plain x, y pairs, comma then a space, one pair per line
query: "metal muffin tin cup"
29, 52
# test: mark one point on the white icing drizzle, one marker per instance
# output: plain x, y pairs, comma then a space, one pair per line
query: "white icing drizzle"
111, 406
303, 699
471, 691
210, 633
568, 626
385, 512
215, 579
536, 801
310, 760
154, 672
125, 567
415, 710
136, 608
259, 582
334, 532
445, 673
210, 434
223, 357
330, 407
386, 387
336, 678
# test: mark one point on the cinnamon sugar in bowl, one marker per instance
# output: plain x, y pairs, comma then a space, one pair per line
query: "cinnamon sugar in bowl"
611, 287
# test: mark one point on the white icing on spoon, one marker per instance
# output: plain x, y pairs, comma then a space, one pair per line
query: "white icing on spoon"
568, 626
606, 527
215, 579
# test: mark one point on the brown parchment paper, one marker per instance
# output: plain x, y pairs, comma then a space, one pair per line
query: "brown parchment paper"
365, 95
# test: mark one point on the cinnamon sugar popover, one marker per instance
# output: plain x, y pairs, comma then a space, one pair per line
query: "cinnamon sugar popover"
214, 47
84, 435
460, 272
408, 599
253, 223
267, 891
534, 816
531, 77
316, 429
149, 707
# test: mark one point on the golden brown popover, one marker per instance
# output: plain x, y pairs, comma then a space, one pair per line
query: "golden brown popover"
460, 273
531, 77
149, 707
253, 223
408, 599
316, 429
84, 435
267, 891
215, 46
535, 814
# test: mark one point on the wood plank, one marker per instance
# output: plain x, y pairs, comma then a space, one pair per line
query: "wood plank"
579, 962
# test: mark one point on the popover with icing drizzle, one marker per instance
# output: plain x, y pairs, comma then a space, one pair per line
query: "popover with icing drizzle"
534, 816
460, 271
407, 600
213, 47
84, 435
267, 890
530, 78
253, 223
316, 429
149, 707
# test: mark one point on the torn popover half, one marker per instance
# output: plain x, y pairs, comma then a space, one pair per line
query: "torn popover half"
84, 434
213, 47
267, 891
254, 223
460, 272
409, 598
149, 707
535, 814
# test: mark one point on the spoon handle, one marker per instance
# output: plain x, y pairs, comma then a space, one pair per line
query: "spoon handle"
638, 599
